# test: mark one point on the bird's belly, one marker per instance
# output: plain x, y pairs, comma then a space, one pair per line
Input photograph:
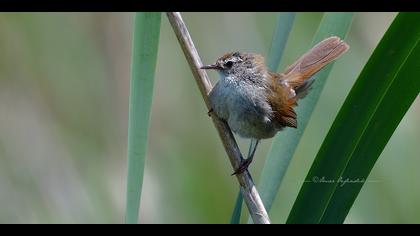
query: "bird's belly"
249, 125
247, 114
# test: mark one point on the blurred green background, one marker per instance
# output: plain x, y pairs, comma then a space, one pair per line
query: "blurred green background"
64, 86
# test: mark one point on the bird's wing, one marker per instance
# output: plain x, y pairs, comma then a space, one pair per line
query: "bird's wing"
281, 102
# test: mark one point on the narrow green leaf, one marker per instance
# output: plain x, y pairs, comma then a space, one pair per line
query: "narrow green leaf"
144, 54
278, 43
281, 34
236, 215
285, 142
382, 94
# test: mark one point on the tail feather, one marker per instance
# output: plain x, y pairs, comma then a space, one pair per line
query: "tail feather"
298, 75
302, 90
295, 82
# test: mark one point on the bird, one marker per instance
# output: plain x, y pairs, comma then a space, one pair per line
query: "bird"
257, 103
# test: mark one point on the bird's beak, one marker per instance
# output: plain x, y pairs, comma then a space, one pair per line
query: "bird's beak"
211, 67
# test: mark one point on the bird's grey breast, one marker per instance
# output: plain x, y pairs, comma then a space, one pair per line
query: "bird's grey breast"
243, 105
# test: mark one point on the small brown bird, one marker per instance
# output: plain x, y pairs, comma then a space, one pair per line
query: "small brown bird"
257, 103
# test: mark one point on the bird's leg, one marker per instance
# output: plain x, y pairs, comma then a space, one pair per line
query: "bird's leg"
210, 111
251, 152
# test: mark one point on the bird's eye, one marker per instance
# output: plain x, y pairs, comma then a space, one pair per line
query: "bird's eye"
229, 64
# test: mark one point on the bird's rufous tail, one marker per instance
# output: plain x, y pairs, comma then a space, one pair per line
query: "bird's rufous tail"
299, 73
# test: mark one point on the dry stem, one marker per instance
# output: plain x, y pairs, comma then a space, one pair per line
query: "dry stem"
251, 197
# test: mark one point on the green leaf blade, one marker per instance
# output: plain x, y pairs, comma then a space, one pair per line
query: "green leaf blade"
280, 36
369, 116
393, 108
236, 215
286, 142
144, 55
278, 44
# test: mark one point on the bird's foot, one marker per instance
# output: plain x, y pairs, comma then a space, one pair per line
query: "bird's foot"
242, 167
210, 111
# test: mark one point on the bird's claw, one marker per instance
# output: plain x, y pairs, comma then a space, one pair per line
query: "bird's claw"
242, 167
